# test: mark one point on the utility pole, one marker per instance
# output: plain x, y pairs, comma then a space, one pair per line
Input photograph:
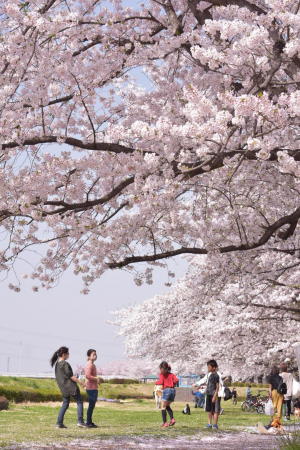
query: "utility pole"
8, 365
20, 357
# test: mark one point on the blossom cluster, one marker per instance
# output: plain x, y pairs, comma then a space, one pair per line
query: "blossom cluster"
99, 173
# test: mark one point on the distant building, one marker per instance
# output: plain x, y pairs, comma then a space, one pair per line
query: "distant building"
149, 378
188, 380
184, 380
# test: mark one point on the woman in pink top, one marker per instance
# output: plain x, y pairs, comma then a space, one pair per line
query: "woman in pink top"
92, 382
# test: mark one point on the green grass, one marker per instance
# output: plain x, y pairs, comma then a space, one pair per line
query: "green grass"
36, 423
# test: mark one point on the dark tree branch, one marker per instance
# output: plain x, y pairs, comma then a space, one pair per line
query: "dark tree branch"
90, 203
278, 307
109, 147
239, 3
53, 102
201, 251
200, 16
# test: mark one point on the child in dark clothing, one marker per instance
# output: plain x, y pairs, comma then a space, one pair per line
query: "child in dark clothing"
212, 400
234, 396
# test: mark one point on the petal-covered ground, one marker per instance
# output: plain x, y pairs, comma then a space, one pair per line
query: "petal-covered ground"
235, 441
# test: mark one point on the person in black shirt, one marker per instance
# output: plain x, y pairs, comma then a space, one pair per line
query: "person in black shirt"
277, 399
234, 396
68, 385
212, 406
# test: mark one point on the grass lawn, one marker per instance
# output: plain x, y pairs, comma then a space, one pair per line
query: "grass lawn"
35, 423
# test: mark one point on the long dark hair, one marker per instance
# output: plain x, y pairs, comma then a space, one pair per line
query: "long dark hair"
275, 370
61, 351
166, 366
90, 351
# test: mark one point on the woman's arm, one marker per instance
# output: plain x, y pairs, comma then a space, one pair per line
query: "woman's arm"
160, 380
76, 380
270, 390
201, 381
69, 374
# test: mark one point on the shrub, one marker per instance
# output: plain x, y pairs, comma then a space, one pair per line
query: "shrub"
116, 381
259, 385
122, 381
238, 384
4, 403
119, 381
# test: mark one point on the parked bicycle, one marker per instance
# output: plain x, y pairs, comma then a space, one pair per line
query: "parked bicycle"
255, 403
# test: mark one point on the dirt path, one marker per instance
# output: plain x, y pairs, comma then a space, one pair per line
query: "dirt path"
240, 441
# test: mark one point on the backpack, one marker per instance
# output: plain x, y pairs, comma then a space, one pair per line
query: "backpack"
282, 387
227, 393
187, 410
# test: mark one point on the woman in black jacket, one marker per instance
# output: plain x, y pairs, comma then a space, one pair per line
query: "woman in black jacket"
68, 385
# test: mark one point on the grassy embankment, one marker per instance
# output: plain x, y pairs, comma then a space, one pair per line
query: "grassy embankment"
107, 390
41, 390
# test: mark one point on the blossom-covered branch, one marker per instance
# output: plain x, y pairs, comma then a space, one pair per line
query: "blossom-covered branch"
110, 174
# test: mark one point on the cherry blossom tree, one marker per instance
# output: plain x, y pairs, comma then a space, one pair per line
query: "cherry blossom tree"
125, 368
247, 325
130, 368
205, 161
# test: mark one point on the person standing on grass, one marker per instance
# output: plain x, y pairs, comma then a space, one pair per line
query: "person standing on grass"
167, 380
277, 399
203, 382
248, 391
213, 401
234, 396
221, 386
68, 385
92, 382
288, 380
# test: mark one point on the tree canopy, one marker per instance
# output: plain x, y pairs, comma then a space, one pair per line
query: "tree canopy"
205, 163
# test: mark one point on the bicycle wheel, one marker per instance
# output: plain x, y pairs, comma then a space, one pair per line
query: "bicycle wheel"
246, 407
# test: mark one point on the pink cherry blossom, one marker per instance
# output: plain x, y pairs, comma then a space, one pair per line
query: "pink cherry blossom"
204, 163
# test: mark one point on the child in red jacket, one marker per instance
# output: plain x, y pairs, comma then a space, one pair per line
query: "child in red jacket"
168, 381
